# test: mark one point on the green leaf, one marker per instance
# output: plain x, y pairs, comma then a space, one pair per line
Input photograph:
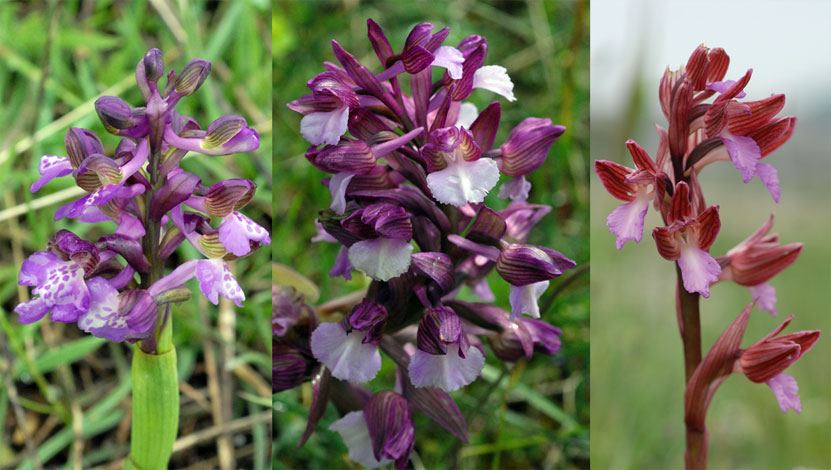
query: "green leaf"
68, 353
285, 276
544, 405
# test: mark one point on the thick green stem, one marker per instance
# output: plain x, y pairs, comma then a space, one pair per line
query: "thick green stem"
155, 410
689, 321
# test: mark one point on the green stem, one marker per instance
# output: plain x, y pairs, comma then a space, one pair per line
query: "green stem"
155, 410
164, 338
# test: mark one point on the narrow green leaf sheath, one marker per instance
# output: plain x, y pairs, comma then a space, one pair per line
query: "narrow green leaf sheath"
155, 409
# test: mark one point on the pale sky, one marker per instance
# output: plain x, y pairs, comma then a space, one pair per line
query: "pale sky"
787, 43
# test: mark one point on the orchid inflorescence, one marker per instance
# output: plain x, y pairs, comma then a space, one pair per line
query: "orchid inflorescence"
415, 167
701, 133
156, 205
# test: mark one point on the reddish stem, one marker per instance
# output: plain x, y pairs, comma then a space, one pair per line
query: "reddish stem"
695, 456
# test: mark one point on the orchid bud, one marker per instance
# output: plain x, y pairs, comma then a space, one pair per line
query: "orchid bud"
770, 356
389, 418
81, 143
354, 157
288, 369
527, 264
487, 228
114, 113
153, 65
228, 196
231, 134
759, 258
527, 146
192, 76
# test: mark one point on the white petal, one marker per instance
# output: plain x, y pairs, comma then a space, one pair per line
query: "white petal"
698, 270
448, 372
325, 128
494, 78
344, 354
467, 114
381, 258
517, 189
463, 181
524, 299
451, 59
337, 186
355, 434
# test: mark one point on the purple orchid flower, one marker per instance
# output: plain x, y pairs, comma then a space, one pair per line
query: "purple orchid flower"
101, 176
511, 338
688, 240
350, 348
381, 433
237, 233
215, 279
66, 283
408, 186
79, 281
457, 173
445, 358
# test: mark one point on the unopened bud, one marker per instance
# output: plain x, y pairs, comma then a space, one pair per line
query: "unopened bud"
153, 65
81, 143
527, 264
527, 146
228, 196
114, 113
192, 77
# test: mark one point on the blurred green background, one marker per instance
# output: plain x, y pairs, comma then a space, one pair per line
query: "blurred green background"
538, 415
636, 354
65, 394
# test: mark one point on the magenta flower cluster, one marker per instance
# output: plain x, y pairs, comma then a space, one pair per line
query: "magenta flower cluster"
410, 172
113, 287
